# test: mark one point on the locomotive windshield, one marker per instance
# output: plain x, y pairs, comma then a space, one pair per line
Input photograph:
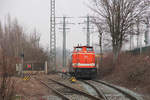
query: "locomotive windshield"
78, 49
89, 49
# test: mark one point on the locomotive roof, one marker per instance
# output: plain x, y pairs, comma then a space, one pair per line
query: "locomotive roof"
83, 46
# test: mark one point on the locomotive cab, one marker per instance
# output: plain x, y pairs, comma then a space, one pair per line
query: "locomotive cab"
83, 62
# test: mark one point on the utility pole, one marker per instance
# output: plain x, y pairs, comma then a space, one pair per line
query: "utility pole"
131, 37
147, 34
88, 31
22, 60
139, 41
138, 32
52, 36
64, 41
65, 23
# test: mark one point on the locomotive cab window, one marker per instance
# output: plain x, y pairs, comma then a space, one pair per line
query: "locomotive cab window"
89, 49
78, 49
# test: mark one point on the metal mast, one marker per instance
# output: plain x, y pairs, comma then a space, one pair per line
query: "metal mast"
88, 31
64, 41
64, 28
131, 37
88, 24
52, 36
147, 35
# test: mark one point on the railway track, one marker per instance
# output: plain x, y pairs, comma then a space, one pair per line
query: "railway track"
54, 90
98, 91
67, 92
101, 91
128, 95
108, 91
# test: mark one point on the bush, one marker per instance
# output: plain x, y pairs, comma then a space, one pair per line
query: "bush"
7, 83
106, 68
130, 70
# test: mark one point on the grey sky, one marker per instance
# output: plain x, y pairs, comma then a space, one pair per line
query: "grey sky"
35, 14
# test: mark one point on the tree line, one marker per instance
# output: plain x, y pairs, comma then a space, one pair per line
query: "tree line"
17, 43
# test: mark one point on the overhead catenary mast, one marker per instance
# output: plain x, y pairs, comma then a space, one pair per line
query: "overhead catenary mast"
88, 31
52, 36
88, 24
147, 34
64, 28
64, 41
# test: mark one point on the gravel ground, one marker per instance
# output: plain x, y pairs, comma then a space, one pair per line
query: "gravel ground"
89, 89
51, 97
31, 89
75, 97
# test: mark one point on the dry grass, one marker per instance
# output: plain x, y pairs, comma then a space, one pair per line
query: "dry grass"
7, 84
131, 71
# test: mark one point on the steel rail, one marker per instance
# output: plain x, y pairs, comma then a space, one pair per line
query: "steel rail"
114, 87
77, 90
54, 90
99, 92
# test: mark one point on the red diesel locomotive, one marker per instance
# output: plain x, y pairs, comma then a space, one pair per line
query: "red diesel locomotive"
83, 62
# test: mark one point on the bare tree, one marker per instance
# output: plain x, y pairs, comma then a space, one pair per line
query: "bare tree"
14, 41
100, 31
35, 39
7, 70
1, 31
118, 16
18, 42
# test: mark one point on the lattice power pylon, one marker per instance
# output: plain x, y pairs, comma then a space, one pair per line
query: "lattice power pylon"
52, 36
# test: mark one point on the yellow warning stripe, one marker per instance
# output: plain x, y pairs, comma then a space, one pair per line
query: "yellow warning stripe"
27, 77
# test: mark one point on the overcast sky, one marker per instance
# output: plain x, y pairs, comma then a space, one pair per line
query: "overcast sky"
36, 14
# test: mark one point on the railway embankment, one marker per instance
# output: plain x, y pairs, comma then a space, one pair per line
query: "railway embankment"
130, 71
